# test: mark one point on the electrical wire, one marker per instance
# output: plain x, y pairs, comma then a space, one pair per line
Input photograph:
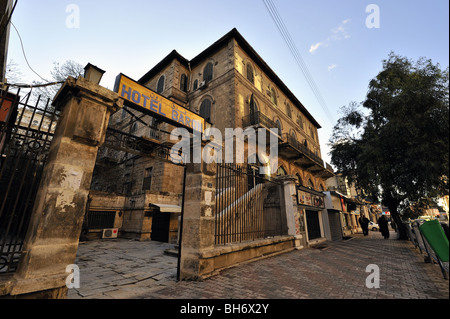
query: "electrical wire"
24, 55
297, 56
30, 86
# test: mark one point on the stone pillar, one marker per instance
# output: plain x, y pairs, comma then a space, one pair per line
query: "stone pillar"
290, 204
198, 220
52, 239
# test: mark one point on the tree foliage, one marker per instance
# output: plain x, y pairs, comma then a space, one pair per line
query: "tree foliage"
397, 148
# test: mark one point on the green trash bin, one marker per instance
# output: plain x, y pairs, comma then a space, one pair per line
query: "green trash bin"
435, 236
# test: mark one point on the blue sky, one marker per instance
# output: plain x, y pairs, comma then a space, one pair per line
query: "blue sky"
341, 52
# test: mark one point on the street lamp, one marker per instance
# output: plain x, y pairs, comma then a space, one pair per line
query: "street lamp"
93, 73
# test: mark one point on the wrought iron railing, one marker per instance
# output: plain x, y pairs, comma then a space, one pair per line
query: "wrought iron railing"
26, 130
258, 118
248, 206
302, 148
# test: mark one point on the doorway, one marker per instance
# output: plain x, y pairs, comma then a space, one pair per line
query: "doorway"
313, 224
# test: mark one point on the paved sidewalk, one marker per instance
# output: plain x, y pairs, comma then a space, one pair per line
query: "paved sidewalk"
122, 269
134, 270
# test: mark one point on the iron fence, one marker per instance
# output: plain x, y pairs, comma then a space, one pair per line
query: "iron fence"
26, 129
248, 205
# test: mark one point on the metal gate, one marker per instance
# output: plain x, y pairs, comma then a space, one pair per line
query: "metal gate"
248, 205
26, 129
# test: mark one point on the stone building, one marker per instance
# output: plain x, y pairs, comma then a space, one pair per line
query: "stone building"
231, 86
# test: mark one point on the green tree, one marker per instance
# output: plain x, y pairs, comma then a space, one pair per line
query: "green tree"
397, 148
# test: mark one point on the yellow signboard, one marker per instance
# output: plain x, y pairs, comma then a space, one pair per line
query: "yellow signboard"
157, 105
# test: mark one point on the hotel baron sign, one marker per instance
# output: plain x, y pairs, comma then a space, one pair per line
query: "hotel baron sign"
145, 100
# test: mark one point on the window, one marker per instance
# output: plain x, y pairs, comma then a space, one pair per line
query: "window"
195, 85
101, 219
250, 75
147, 183
208, 72
311, 132
183, 83
205, 110
253, 111
160, 86
288, 110
278, 124
293, 135
300, 121
273, 96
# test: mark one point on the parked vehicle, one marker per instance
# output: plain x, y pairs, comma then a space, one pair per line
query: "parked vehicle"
373, 226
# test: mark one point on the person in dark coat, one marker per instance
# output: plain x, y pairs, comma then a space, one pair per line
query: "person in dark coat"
364, 222
384, 226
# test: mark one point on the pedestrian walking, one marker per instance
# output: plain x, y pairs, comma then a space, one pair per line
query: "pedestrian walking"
364, 222
384, 227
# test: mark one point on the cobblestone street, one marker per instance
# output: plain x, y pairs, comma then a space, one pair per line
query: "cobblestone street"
129, 269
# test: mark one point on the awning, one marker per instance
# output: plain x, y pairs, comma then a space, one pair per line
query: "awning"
166, 208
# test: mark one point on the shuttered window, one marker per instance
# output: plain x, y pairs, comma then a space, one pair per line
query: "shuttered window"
160, 86
205, 110
208, 72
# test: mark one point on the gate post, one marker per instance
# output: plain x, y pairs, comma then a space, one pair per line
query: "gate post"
290, 204
198, 220
51, 242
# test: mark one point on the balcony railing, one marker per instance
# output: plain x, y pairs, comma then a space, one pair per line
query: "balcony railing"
258, 118
302, 148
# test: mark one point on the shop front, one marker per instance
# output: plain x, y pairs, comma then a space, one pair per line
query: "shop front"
312, 203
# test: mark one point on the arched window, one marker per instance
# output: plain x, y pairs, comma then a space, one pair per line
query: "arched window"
205, 110
293, 135
300, 121
160, 86
280, 129
183, 83
273, 96
250, 74
288, 110
195, 85
281, 171
208, 72
311, 132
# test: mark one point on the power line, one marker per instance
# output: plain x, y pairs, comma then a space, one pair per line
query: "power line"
297, 56
24, 55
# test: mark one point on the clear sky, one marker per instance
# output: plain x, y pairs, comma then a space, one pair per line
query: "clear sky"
333, 38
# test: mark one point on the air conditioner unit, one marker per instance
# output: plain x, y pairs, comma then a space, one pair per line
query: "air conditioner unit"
110, 233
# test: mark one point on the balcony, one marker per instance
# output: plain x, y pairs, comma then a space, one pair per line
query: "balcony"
258, 119
298, 153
